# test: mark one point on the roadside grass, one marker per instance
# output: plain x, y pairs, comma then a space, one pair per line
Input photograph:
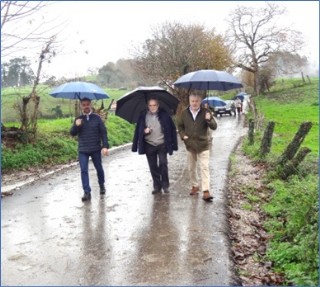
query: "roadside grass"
292, 210
54, 144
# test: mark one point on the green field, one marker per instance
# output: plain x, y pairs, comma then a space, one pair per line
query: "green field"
288, 107
54, 145
12, 96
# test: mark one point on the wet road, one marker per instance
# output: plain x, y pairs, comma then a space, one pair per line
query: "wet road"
128, 236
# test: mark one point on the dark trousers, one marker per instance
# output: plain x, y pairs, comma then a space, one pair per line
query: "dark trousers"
158, 165
84, 166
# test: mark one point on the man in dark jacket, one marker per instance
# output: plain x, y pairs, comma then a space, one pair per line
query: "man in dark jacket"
193, 125
91, 133
155, 135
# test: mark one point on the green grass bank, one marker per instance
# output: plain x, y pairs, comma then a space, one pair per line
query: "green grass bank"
54, 144
292, 209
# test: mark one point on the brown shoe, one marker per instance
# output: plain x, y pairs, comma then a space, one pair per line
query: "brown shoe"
194, 190
206, 196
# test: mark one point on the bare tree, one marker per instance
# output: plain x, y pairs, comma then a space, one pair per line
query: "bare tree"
256, 34
29, 113
285, 63
24, 28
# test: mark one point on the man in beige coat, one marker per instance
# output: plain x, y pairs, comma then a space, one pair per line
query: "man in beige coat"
193, 126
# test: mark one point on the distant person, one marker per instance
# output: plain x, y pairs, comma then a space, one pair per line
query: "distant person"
238, 105
156, 136
233, 108
92, 140
193, 126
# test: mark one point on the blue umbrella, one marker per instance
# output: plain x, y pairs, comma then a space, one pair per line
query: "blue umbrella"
240, 96
214, 101
208, 80
78, 91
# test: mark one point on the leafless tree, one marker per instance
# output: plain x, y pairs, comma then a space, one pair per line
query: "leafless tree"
29, 107
257, 35
25, 28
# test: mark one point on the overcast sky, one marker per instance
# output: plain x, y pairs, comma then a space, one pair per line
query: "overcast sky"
103, 31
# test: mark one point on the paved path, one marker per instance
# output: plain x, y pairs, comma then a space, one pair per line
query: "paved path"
127, 237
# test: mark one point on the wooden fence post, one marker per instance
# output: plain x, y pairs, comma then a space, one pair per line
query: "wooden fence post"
267, 139
251, 132
291, 167
293, 147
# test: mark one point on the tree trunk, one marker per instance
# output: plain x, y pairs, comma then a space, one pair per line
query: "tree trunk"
256, 76
302, 76
24, 113
291, 167
253, 108
34, 116
293, 147
26, 119
267, 139
251, 132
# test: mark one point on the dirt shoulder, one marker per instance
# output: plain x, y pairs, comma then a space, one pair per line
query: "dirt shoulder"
246, 192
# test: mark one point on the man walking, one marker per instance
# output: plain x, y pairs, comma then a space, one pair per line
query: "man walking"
91, 133
193, 126
156, 135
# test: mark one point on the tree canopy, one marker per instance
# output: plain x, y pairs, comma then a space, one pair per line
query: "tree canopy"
176, 49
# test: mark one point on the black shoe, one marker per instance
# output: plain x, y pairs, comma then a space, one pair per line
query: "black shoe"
86, 196
155, 191
102, 189
166, 190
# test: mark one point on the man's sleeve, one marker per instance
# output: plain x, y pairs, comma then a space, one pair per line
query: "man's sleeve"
212, 123
74, 129
181, 128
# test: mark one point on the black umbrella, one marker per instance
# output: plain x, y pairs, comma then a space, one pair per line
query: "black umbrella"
130, 105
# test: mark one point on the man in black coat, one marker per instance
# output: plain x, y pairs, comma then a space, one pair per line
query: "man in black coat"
92, 140
156, 135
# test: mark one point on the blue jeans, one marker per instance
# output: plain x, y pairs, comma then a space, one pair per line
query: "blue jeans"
84, 166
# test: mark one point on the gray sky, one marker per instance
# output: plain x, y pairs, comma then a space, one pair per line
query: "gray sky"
103, 31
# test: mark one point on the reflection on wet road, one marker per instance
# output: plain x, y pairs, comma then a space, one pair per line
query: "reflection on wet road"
128, 236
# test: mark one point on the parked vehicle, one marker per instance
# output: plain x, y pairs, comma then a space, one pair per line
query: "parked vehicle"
228, 109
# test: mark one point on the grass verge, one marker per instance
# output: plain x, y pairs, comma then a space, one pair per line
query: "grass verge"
292, 209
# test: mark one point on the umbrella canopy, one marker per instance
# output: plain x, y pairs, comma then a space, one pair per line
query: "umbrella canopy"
240, 96
130, 105
208, 80
214, 101
78, 91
